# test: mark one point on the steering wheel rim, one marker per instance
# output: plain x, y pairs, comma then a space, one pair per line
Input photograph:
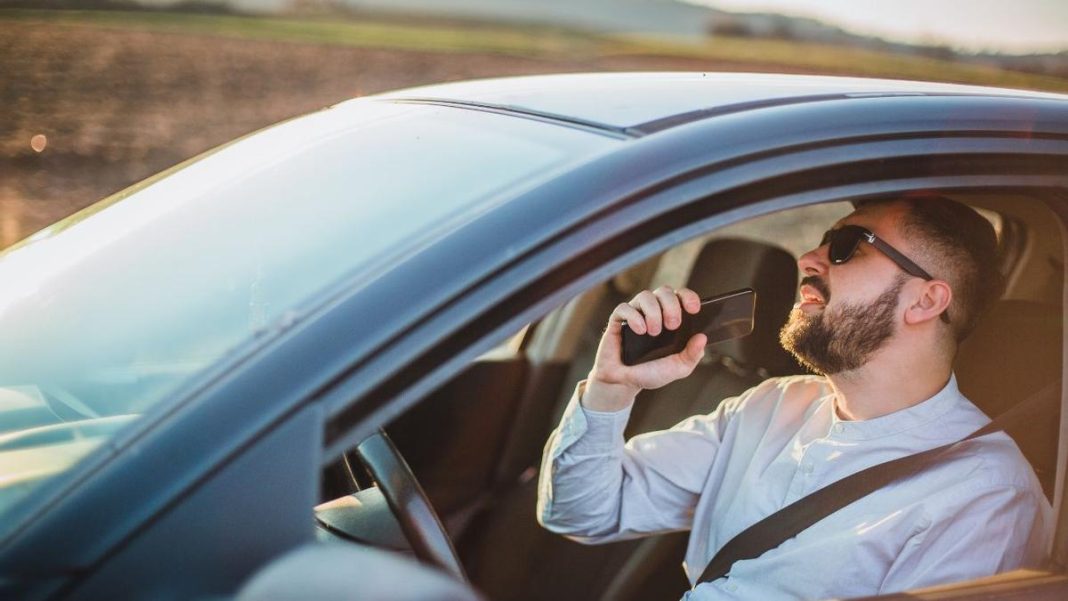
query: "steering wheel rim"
409, 503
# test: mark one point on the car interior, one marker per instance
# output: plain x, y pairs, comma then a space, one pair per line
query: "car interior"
475, 444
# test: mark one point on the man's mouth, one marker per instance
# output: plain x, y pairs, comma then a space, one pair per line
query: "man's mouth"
813, 291
810, 295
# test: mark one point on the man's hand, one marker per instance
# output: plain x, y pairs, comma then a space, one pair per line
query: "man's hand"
611, 385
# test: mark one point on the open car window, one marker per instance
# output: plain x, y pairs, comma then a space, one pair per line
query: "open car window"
476, 443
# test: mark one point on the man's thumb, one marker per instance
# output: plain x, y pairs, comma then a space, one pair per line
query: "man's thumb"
695, 349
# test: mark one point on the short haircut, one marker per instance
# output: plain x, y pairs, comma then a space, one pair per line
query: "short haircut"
959, 246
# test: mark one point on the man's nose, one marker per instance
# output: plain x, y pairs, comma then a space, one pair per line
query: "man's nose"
814, 262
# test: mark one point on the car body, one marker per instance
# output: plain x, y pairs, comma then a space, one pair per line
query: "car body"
183, 361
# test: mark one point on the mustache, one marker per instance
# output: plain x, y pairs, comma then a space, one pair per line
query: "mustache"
817, 282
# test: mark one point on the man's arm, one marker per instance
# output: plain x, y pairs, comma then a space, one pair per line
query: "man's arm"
591, 486
594, 488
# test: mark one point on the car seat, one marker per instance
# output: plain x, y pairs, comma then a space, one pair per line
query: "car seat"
1015, 351
510, 557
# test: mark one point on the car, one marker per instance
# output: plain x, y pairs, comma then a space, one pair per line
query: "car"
288, 367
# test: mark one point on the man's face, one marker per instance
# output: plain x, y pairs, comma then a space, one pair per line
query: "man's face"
847, 312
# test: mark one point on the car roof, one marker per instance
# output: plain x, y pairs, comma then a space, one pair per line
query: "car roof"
648, 102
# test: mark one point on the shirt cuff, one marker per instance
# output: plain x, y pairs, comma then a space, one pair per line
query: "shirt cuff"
587, 432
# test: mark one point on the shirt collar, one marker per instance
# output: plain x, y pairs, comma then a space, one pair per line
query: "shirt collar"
898, 421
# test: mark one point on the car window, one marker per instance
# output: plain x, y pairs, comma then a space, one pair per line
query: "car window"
796, 232
450, 438
106, 313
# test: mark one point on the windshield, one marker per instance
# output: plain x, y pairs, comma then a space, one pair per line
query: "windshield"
106, 313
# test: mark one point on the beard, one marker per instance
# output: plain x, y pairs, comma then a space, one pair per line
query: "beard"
833, 344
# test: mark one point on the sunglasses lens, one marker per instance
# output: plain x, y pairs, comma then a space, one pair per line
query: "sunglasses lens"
843, 243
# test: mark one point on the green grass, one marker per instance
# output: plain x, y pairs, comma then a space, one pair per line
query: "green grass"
838, 60
391, 34
552, 43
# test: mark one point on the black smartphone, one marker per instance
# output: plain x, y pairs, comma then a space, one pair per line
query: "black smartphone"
722, 317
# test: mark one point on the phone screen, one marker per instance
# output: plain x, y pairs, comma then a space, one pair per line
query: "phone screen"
722, 317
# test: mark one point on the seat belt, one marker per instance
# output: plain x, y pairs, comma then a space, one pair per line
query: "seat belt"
794, 518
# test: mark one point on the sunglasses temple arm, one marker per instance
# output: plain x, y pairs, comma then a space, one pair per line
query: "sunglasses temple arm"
902, 261
905, 263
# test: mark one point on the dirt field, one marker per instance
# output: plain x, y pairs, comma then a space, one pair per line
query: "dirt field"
116, 105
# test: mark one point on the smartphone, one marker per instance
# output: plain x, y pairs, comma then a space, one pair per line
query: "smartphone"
722, 317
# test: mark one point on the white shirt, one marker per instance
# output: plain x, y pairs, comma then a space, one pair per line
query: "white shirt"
979, 513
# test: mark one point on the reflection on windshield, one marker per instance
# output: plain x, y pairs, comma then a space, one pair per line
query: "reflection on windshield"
104, 319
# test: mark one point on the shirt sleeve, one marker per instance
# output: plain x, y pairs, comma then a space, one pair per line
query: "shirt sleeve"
594, 488
992, 529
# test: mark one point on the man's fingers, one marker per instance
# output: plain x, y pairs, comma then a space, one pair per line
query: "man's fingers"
634, 318
650, 307
670, 307
691, 302
659, 309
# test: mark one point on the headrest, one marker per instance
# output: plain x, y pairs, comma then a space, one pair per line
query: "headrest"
726, 264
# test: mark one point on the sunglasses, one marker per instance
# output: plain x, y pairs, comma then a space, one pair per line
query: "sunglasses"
845, 240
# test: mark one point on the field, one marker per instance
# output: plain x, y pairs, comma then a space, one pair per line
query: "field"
119, 96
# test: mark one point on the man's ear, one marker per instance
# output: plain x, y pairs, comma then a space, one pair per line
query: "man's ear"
933, 299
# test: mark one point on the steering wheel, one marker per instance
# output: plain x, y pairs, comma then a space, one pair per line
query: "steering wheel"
415, 515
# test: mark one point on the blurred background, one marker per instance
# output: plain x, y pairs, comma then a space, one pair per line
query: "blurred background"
98, 94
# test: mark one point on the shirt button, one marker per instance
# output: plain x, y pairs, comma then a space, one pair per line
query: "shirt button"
839, 428
732, 587
807, 468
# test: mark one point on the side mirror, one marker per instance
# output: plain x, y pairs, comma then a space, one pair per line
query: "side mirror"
324, 571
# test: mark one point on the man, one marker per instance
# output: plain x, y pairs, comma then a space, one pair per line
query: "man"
879, 320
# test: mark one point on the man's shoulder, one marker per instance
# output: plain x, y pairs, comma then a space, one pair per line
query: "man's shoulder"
979, 468
995, 461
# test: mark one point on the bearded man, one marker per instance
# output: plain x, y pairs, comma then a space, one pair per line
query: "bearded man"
884, 301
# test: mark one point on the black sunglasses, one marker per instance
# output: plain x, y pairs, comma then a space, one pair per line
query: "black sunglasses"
845, 240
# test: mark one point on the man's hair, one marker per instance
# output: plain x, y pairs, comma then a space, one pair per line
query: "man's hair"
957, 245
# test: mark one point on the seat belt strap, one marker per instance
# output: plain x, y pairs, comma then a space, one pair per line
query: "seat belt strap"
794, 518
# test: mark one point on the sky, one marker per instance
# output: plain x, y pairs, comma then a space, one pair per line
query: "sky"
1014, 26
